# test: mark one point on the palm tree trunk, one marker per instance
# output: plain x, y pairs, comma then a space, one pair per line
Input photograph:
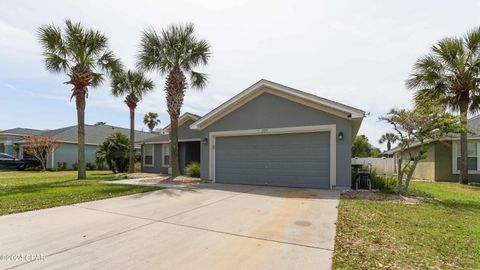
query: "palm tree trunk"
131, 167
174, 162
175, 90
80, 100
463, 142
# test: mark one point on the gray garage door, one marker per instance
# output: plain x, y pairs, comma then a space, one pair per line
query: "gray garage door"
292, 160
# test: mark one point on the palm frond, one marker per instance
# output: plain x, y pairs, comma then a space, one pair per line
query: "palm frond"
97, 79
472, 40
176, 45
133, 83
77, 46
55, 52
198, 80
108, 63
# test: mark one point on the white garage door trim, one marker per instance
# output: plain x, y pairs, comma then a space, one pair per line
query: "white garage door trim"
270, 131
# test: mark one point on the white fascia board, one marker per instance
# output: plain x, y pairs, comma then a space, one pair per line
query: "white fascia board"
298, 96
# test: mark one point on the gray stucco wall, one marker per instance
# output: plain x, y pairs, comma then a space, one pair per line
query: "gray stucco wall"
157, 161
270, 111
184, 132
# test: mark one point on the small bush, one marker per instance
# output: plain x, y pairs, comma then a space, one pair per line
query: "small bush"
193, 169
91, 166
383, 182
61, 166
75, 165
138, 167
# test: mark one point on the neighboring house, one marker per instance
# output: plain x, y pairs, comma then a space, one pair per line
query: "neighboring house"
67, 139
268, 134
9, 137
443, 157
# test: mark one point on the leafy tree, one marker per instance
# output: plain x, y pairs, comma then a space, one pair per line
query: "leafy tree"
414, 128
151, 120
133, 85
84, 56
389, 138
40, 147
100, 124
451, 75
174, 52
115, 152
362, 148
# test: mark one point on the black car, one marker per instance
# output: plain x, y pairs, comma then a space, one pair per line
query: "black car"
9, 162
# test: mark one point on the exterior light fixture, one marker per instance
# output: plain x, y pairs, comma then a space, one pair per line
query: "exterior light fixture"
340, 136
205, 140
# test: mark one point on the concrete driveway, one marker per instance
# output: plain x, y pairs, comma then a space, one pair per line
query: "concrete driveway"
208, 227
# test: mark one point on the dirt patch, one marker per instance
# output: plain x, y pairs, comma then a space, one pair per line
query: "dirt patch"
377, 196
166, 179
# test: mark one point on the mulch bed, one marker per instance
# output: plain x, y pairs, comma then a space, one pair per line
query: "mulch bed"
166, 179
377, 196
140, 175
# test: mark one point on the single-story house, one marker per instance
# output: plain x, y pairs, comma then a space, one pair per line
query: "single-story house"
268, 134
67, 138
9, 137
442, 160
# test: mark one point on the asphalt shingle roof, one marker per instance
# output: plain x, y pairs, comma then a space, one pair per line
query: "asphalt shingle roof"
157, 138
93, 134
22, 131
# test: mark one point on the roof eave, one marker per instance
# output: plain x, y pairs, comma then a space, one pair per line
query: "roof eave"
203, 122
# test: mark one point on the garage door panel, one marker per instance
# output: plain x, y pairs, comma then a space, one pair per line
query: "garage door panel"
297, 160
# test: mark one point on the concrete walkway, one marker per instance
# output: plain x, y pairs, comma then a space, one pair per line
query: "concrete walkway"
206, 227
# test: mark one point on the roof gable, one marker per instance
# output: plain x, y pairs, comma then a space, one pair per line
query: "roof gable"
264, 86
182, 119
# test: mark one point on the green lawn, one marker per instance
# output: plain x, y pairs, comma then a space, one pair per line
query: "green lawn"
443, 233
25, 191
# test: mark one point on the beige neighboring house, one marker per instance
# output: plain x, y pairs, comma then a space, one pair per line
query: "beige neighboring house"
443, 157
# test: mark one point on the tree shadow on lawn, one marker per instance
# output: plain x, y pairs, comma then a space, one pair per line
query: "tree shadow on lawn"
50, 186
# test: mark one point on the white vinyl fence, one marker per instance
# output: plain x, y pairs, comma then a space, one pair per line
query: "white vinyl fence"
381, 165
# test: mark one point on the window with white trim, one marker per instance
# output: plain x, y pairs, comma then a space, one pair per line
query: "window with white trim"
166, 155
148, 154
473, 156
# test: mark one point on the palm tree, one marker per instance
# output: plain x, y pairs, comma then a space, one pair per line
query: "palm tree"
151, 120
174, 52
450, 74
134, 85
389, 138
83, 54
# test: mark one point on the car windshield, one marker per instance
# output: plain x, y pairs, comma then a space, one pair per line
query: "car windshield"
3, 155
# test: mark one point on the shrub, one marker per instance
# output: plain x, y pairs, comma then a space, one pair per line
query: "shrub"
61, 166
52, 169
193, 169
91, 166
138, 166
115, 152
383, 182
75, 165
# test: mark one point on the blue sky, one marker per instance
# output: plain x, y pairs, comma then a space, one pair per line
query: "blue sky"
355, 52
